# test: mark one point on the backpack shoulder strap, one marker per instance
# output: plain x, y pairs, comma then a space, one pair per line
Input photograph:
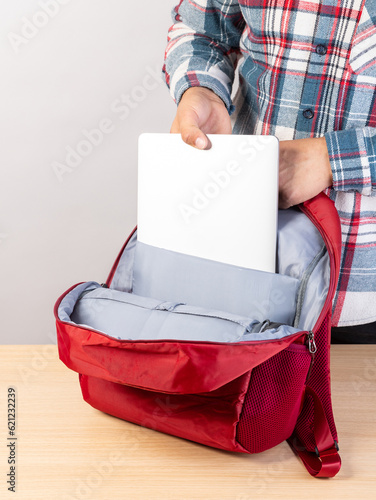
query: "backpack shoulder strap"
325, 460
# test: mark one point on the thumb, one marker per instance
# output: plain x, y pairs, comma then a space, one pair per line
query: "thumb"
192, 135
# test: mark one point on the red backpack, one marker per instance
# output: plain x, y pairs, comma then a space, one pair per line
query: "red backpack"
135, 362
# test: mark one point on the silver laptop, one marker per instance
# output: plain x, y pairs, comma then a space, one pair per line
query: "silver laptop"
219, 204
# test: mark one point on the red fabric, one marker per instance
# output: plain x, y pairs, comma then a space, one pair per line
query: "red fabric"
208, 418
325, 461
273, 400
323, 211
165, 366
320, 381
327, 466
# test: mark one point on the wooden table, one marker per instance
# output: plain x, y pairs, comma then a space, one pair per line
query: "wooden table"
67, 450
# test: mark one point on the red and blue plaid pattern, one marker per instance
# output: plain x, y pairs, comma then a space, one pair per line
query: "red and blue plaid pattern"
306, 69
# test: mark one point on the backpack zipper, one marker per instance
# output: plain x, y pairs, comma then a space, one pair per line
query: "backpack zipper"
304, 282
311, 343
312, 348
332, 284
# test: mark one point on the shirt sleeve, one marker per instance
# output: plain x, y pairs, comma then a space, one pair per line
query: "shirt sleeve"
203, 47
352, 158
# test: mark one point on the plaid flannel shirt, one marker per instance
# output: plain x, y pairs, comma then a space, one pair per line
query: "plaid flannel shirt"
306, 69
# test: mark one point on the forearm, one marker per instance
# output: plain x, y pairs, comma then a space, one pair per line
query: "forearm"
203, 47
352, 159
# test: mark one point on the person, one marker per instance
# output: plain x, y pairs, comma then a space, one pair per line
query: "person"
306, 74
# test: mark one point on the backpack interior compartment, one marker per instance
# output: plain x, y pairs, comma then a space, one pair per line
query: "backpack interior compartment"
158, 294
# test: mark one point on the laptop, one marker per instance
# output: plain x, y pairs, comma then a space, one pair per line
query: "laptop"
219, 204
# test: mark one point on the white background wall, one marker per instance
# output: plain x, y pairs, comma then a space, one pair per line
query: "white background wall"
64, 217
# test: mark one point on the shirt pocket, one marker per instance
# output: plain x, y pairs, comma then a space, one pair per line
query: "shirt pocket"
362, 60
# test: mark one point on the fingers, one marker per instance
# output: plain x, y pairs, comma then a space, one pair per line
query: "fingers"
190, 132
190, 122
200, 112
197, 112
192, 135
284, 203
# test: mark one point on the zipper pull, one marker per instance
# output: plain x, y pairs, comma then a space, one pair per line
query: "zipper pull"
104, 285
311, 342
312, 350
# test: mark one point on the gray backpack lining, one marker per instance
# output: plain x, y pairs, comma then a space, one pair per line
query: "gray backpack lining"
158, 294
173, 276
127, 316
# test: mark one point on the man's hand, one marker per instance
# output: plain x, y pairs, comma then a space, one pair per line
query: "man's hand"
304, 170
200, 112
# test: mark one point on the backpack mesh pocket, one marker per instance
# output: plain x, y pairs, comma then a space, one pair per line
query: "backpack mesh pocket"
273, 400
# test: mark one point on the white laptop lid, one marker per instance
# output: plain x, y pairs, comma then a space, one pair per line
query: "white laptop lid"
219, 204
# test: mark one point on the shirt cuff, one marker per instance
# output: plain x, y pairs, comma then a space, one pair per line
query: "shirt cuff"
195, 79
352, 159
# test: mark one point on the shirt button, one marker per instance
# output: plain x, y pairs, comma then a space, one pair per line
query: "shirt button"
308, 113
321, 50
